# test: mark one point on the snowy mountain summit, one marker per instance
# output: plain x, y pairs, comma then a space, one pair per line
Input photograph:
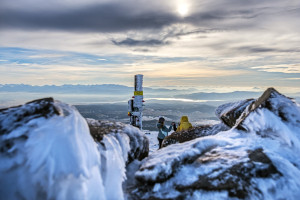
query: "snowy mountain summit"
257, 158
49, 151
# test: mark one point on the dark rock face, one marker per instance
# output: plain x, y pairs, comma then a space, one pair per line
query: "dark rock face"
139, 144
192, 133
229, 113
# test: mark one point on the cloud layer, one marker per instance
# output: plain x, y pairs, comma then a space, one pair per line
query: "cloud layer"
249, 43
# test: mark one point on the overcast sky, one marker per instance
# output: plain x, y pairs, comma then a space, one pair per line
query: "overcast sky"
189, 43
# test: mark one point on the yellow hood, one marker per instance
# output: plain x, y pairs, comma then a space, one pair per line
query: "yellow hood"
184, 119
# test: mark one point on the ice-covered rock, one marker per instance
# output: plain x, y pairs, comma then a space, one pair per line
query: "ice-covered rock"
229, 113
193, 133
139, 143
47, 152
272, 101
257, 159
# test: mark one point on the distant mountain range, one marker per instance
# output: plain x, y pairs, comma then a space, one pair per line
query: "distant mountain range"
220, 96
86, 89
125, 91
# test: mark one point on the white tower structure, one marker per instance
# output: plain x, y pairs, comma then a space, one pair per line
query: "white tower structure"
135, 105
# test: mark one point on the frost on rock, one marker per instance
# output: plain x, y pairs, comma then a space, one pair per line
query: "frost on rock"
257, 159
193, 133
47, 152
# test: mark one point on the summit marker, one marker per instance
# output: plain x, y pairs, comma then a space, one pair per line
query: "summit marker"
135, 104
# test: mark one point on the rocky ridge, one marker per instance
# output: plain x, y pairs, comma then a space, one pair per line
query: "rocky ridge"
256, 159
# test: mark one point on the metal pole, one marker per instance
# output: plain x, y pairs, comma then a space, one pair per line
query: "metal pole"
135, 105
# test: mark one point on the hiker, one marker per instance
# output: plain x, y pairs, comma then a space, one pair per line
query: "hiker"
184, 124
174, 127
162, 130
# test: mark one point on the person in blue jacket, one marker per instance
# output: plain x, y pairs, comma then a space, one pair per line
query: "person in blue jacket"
162, 130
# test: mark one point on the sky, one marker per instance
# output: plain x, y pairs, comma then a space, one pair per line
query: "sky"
175, 43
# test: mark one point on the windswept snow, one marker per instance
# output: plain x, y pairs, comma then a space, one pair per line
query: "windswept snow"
159, 165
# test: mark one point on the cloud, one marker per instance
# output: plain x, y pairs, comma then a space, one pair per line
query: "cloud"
109, 17
293, 78
260, 49
134, 42
167, 36
117, 16
256, 49
157, 22
218, 42
284, 68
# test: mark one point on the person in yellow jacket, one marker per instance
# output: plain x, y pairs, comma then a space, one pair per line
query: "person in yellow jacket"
184, 124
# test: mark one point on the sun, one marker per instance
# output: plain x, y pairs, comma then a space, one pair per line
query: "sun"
183, 9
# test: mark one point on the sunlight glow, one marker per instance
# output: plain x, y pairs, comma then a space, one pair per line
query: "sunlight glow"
182, 9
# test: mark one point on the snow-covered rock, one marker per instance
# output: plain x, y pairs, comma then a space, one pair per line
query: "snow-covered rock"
193, 133
272, 101
257, 159
47, 152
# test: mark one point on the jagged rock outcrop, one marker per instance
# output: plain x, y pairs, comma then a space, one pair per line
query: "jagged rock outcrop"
47, 151
282, 106
233, 114
193, 133
257, 159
